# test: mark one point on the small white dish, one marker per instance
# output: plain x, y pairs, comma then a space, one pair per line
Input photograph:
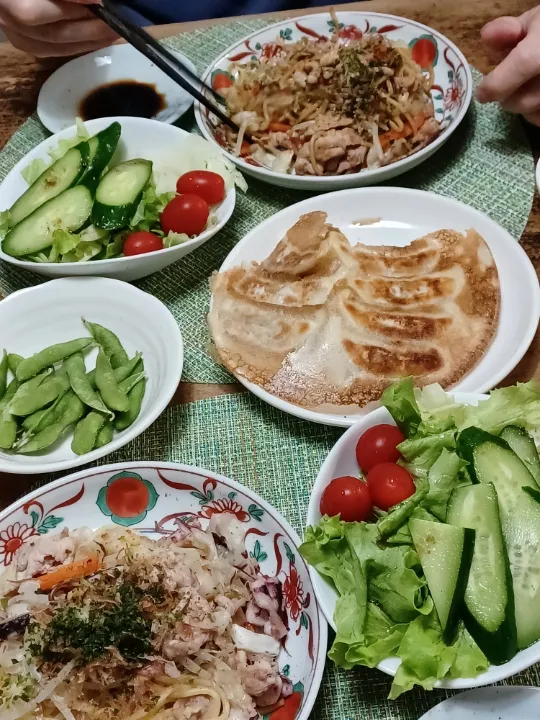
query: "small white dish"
451, 92
61, 95
342, 461
167, 146
494, 703
404, 216
34, 318
538, 176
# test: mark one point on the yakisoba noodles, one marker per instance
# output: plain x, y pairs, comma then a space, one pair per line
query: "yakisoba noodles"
328, 107
111, 624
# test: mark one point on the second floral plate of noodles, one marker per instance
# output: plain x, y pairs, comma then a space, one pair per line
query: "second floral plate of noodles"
321, 307
329, 101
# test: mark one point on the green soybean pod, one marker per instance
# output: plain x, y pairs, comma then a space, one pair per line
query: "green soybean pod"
8, 423
3, 373
86, 432
129, 383
121, 373
39, 419
81, 385
28, 388
107, 385
105, 435
28, 400
14, 361
109, 342
73, 411
123, 420
49, 356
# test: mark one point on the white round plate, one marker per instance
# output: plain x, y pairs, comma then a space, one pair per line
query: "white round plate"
404, 216
149, 497
495, 703
37, 317
170, 148
61, 95
451, 93
342, 461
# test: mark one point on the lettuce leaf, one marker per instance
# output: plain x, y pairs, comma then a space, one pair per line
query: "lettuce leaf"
401, 403
444, 476
32, 171
5, 223
516, 405
420, 453
150, 208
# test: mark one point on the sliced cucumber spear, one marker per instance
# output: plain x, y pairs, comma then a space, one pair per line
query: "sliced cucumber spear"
119, 192
489, 598
61, 175
68, 211
523, 445
445, 553
102, 148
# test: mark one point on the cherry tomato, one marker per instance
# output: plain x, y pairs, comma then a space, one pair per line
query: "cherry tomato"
389, 484
185, 214
378, 445
348, 497
142, 242
208, 185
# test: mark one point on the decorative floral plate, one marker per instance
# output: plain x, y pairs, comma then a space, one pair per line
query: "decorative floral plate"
149, 497
451, 93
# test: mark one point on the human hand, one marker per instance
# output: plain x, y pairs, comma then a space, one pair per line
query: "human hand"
53, 28
515, 82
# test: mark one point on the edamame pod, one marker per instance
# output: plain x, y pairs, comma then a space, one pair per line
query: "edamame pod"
39, 420
8, 423
109, 342
27, 399
81, 385
49, 356
107, 385
14, 361
121, 373
86, 432
73, 411
125, 419
27, 389
130, 382
3, 373
105, 435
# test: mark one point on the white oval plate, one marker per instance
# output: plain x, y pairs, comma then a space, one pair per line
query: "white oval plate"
451, 93
61, 95
168, 147
342, 461
496, 703
148, 497
406, 215
34, 318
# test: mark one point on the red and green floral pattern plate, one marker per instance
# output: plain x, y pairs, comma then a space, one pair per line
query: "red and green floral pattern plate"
148, 497
451, 93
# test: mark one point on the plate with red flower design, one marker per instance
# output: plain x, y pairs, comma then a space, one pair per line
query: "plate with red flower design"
149, 498
438, 58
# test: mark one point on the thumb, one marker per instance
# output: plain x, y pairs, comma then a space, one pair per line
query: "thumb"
504, 33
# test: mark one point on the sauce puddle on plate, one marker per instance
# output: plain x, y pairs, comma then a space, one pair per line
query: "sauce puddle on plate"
123, 97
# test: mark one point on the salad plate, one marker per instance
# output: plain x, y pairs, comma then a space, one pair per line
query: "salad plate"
154, 499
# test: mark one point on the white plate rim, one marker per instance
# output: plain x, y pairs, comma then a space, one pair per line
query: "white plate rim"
348, 420
143, 422
453, 703
370, 175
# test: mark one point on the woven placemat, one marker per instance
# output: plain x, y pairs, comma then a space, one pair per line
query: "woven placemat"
278, 457
486, 163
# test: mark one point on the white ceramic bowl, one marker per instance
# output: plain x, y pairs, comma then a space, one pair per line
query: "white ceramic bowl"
149, 139
37, 317
342, 461
405, 215
451, 92
149, 497
62, 93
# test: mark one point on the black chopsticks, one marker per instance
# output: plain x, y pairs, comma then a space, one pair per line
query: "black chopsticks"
160, 56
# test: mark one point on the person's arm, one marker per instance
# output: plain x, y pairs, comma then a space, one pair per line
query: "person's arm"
53, 28
515, 82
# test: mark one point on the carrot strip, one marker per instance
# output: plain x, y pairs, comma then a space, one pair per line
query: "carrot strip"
71, 571
386, 138
279, 127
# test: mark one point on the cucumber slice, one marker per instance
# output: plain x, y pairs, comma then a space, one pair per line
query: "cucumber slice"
68, 211
489, 597
445, 552
102, 147
61, 175
119, 192
524, 446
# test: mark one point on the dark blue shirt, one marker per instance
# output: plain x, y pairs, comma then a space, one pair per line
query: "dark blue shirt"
168, 11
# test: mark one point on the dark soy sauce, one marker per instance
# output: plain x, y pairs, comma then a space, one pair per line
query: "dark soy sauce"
124, 97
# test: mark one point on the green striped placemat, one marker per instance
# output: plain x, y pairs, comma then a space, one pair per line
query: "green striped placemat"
486, 163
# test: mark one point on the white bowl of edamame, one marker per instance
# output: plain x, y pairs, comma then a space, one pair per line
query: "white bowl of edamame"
89, 364
100, 198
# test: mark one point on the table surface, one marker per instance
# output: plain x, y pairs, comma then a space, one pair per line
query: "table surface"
22, 76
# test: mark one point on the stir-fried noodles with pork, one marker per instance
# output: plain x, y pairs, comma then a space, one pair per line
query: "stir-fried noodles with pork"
327, 107
111, 624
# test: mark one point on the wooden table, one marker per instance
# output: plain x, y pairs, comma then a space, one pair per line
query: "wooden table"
21, 78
